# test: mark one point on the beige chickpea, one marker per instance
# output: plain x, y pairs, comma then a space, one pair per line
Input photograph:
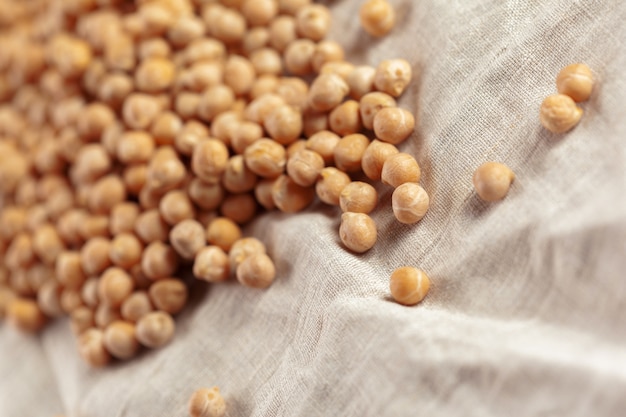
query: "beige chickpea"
409, 285
209, 160
313, 21
94, 255
266, 61
205, 49
108, 140
93, 226
282, 31
575, 81
361, 81
492, 181
358, 197
115, 286
238, 178
186, 105
223, 232
92, 162
47, 243
185, 30
294, 91
136, 306
349, 151
159, 261
341, 68
165, 127
89, 292
409, 202
374, 158
207, 402
187, 238
119, 53
263, 193
155, 329
399, 169
330, 185
140, 110
259, 12
291, 7
169, 295
256, 271
175, 206
357, 231
69, 270
106, 193
327, 92
125, 251
294, 147
255, 39
298, 57
119, 339
135, 147
289, 197
82, 319
48, 299
239, 74
265, 83
94, 118
37, 217
284, 124
304, 167
114, 88
215, 100
25, 314
12, 221
91, 347
393, 124
150, 227
242, 249
345, 119
393, 76
153, 48
559, 113
123, 217
204, 195
244, 135
105, 315
265, 158
326, 51
165, 170
149, 198
377, 17
69, 55
371, 103
192, 133
240, 208
18, 281
211, 264
259, 108
227, 25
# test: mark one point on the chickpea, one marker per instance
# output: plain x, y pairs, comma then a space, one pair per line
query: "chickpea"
298, 56
135, 147
140, 110
304, 167
165, 170
224, 124
393, 76
290, 197
20, 253
294, 91
371, 103
94, 119
240, 208
377, 17
136, 306
211, 264
91, 347
409, 285
105, 315
81, 319
153, 48
326, 51
47, 243
169, 295
93, 226
69, 271
207, 402
313, 21
92, 162
357, 231
192, 133
237, 177
123, 217
159, 261
185, 30
125, 250
239, 74
358, 197
327, 92
119, 339
244, 135
255, 39
349, 151
282, 31
374, 158
242, 249
115, 286
284, 124
265, 158
150, 227
114, 88
186, 104
256, 271
330, 185
89, 292
187, 238
106, 193
293, 148
209, 160
264, 84
341, 68
227, 25
409, 202
215, 100
345, 119
94, 255
576, 81
399, 169
175, 206
263, 193
25, 315
559, 113
492, 181
12, 222
259, 108
155, 329
48, 299
393, 124
259, 12
165, 127
361, 81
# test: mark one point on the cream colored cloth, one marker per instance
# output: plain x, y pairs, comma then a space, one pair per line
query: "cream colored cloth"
527, 311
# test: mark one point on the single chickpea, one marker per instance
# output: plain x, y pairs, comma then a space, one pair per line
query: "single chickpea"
205, 49
259, 12
48, 299
393, 124
159, 261
207, 402
119, 339
266, 61
256, 271
136, 306
223, 232
215, 100
18, 281
377, 17
165, 170
169, 295
559, 113
341, 68
313, 21
209, 160
94, 118
125, 250
289, 197
576, 81
92, 162
265, 83
185, 30
119, 53
106, 193
326, 51
153, 48
294, 91
292, 7
298, 57
135, 147
371, 103
358, 197
255, 39
211, 264
374, 158
357, 231
259, 108
409, 202
238, 178
25, 315
123, 217
82, 319
224, 124
165, 127
282, 31
93, 226
175, 206
239, 74
187, 238
205, 196
263, 193
89, 292
12, 222
149, 198
492, 181
114, 88
284, 124
105, 315
139, 110
399, 169
69, 271
240, 208
242, 249
150, 227
155, 329
115, 286
69, 55
265, 158
186, 104
327, 92
304, 167
293, 148
330, 185
409, 285
345, 119
94, 255
192, 133
393, 76
349, 151
91, 347
227, 25
108, 140
244, 135
47, 243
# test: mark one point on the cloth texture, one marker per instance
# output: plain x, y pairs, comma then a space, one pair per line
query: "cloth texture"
526, 314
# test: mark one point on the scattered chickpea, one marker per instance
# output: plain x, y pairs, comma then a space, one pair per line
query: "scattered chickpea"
165, 170
106, 193
377, 17
409, 285
25, 314
393, 76
239, 74
91, 347
169, 295
215, 100
81, 319
290, 197
123, 217
357, 231
93, 226
313, 21
327, 92
209, 160
374, 158
47, 243
575, 81
242, 249
330, 185
349, 152
345, 119
304, 167
187, 238
259, 12
240, 208
165, 127
140, 110
175, 206
150, 227
69, 271
393, 124
227, 25
399, 169
89, 292
155, 329
244, 135
115, 286
559, 113
371, 103
409, 203
358, 197
136, 306
326, 51
125, 250
324, 143
70, 300
48, 299
298, 56
263, 193
256, 271
284, 124
265, 158
159, 261
94, 255
259, 108
492, 181
207, 402
211, 264
105, 315
282, 31
119, 339
185, 30
264, 84
255, 39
